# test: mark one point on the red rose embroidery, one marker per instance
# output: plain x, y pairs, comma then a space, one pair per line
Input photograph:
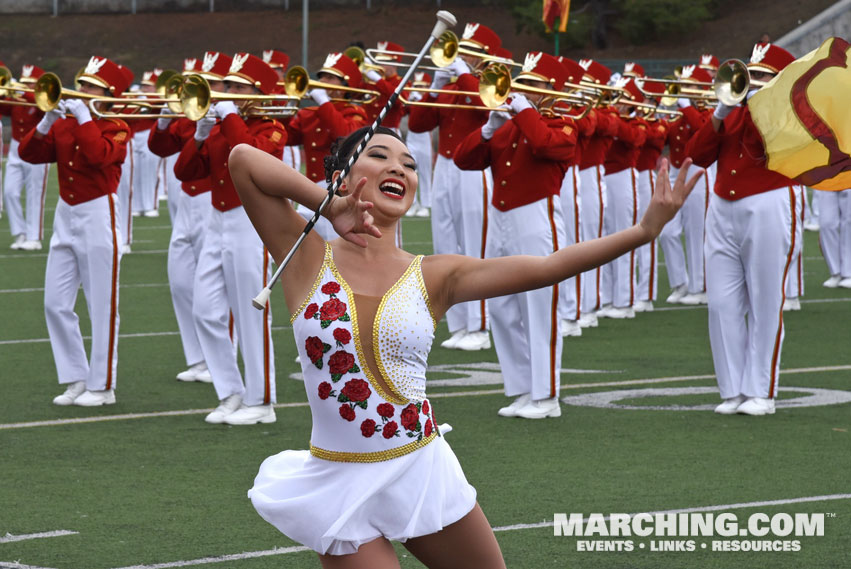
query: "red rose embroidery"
342, 335
340, 363
347, 412
356, 390
367, 428
332, 309
425, 407
410, 416
389, 430
324, 390
313, 345
311, 310
428, 428
331, 288
386, 410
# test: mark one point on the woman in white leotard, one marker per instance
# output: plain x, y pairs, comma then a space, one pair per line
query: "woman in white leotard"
364, 314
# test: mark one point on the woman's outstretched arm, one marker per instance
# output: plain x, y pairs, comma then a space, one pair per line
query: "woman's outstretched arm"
467, 279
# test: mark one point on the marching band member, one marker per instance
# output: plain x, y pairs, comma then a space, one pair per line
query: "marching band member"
316, 128
710, 64
529, 155
188, 227
752, 234
571, 200
618, 277
278, 60
686, 269
645, 166
146, 164
27, 229
233, 261
421, 147
124, 193
385, 82
459, 199
85, 246
835, 235
592, 187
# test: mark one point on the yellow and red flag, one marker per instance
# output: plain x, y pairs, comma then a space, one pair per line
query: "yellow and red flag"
556, 9
804, 118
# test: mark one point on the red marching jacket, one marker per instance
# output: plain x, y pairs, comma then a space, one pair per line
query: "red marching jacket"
88, 157
211, 159
23, 119
385, 86
596, 146
738, 149
317, 128
681, 131
170, 141
657, 134
624, 151
528, 156
454, 124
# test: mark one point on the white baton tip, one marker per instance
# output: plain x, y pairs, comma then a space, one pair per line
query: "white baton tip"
261, 299
444, 20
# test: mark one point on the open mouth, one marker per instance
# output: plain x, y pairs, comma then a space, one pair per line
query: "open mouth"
392, 188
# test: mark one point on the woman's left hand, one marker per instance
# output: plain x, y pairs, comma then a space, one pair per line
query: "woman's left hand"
350, 216
667, 201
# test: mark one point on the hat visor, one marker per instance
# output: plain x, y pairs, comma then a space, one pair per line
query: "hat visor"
475, 46
93, 80
28, 80
208, 76
239, 79
759, 67
529, 76
332, 71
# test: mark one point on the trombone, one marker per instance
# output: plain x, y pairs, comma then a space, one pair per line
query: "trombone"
358, 55
196, 98
443, 52
297, 83
12, 88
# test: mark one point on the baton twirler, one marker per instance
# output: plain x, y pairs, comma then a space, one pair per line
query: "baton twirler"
444, 20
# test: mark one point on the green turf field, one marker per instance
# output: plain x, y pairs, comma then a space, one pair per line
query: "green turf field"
147, 484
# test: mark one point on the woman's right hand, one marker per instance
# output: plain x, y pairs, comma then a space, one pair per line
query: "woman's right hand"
350, 216
667, 201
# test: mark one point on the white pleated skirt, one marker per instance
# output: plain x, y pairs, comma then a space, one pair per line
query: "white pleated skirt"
334, 507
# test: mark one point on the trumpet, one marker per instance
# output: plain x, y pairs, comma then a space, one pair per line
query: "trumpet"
297, 83
495, 86
196, 98
733, 81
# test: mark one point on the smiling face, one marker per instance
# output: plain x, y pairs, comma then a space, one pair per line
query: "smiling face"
391, 174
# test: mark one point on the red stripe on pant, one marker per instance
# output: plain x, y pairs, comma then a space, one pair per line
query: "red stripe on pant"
113, 305
775, 356
482, 305
554, 308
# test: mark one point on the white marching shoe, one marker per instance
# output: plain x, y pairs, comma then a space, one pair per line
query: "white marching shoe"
676, 294
151, 213
756, 406
792, 304
474, 341
193, 372
694, 298
511, 410
729, 406
610, 311
31, 245
569, 328
845, 283
251, 415
540, 409
452, 342
832, 282
588, 320
423, 212
643, 306
95, 398
73, 391
226, 406
20, 239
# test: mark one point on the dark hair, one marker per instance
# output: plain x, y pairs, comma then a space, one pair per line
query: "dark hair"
343, 148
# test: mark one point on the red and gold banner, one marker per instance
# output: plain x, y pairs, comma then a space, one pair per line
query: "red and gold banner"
804, 118
556, 9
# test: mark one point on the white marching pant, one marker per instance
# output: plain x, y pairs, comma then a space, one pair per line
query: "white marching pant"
125, 197
232, 268
184, 250
460, 201
750, 244
33, 177
835, 233
292, 157
647, 278
687, 268
592, 191
84, 250
618, 277
795, 278
146, 174
173, 187
571, 207
420, 146
525, 326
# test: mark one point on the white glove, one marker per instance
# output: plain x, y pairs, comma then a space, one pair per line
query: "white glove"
415, 96
722, 110
495, 120
459, 67
441, 77
50, 117
519, 103
373, 75
224, 108
319, 95
79, 109
682, 102
163, 122
203, 126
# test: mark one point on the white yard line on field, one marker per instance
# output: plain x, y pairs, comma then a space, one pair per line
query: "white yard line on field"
41, 289
9, 538
136, 335
476, 393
